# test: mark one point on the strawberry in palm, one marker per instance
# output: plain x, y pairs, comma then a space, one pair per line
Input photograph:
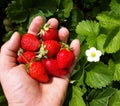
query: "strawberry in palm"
30, 42
49, 33
49, 48
65, 57
52, 67
38, 72
26, 57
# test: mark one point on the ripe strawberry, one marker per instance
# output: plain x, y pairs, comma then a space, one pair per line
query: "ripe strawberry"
48, 33
29, 42
65, 58
52, 67
37, 71
26, 57
52, 47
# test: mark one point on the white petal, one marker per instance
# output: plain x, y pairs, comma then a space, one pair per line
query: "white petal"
99, 53
93, 49
96, 59
87, 52
90, 59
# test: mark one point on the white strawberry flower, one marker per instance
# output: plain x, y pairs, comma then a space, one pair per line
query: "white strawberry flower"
93, 55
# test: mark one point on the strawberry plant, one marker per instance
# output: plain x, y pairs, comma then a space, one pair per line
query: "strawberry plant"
96, 23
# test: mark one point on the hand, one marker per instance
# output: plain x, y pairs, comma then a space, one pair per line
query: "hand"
19, 88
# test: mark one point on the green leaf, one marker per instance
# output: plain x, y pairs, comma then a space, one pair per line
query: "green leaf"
7, 36
112, 43
100, 42
102, 97
77, 78
98, 75
83, 48
19, 10
88, 28
91, 41
76, 16
76, 99
46, 5
68, 95
81, 38
2, 99
117, 72
115, 6
117, 56
115, 99
26, 3
108, 20
16, 13
58, 2
67, 5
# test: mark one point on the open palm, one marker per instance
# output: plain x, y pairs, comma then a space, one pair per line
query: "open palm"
19, 88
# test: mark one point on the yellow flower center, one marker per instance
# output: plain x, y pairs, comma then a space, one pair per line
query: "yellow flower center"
93, 54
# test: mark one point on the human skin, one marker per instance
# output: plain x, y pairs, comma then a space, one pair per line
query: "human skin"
19, 88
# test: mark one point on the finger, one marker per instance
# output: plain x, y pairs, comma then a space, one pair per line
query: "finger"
53, 22
63, 34
75, 45
9, 50
35, 25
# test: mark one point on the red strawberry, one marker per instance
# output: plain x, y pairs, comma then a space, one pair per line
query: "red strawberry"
37, 71
52, 47
29, 42
26, 57
65, 58
52, 67
48, 33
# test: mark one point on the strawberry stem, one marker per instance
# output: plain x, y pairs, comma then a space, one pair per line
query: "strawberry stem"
24, 58
65, 46
42, 52
20, 51
27, 66
46, 26
43, 29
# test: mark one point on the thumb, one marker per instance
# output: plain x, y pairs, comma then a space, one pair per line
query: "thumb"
9, 51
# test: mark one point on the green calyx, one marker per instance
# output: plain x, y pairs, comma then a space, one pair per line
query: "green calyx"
65, 46
42, 52
44, 28
20, 51
27, 66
